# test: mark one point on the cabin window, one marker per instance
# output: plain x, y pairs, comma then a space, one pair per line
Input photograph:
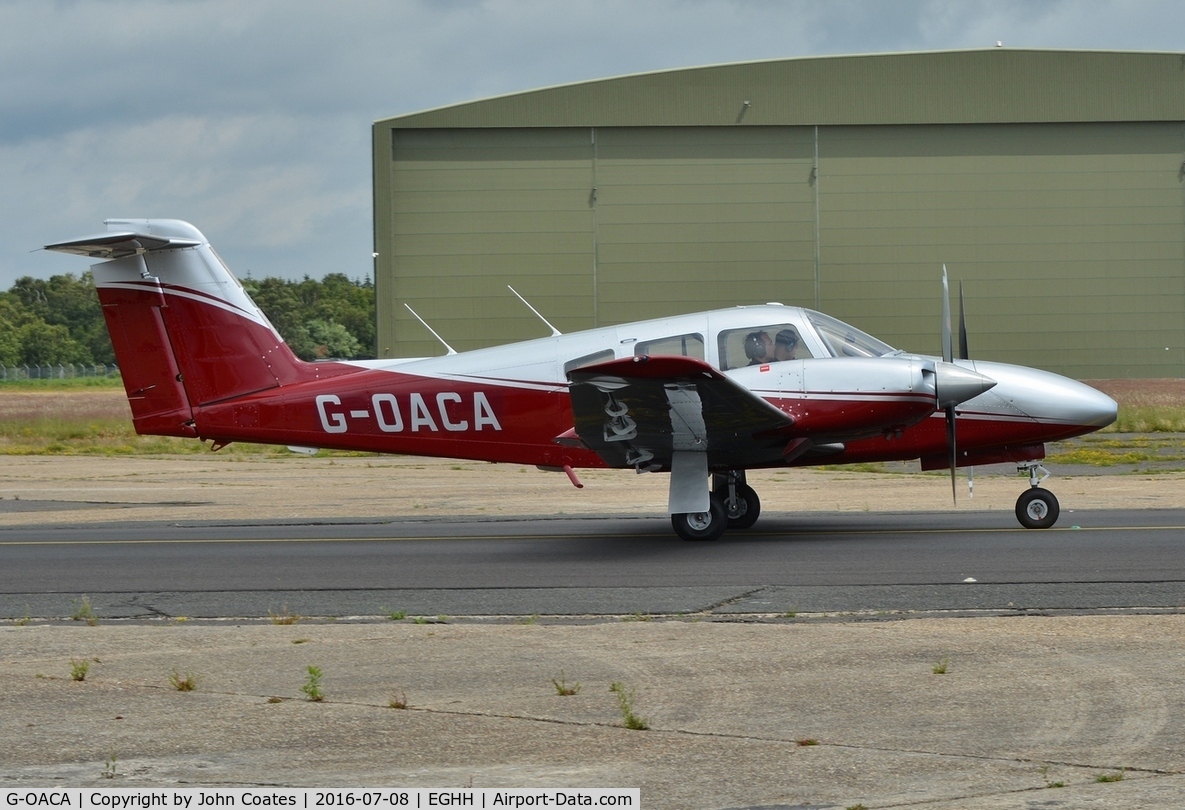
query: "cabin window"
690, 345
757, 345
589, 359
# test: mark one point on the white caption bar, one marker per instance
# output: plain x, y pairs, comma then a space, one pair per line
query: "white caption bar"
319, 798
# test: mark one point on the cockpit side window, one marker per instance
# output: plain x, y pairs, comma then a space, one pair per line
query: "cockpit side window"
757, 345
689, 345
844, 340
588, 359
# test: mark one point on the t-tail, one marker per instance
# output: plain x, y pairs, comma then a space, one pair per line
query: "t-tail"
185, 332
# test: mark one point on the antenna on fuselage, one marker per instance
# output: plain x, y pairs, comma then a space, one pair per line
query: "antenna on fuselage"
450, 349
554, 332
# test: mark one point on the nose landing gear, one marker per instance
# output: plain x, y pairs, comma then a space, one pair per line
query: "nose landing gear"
1036, 508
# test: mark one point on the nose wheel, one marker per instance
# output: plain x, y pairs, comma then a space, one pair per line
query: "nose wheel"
1036, 508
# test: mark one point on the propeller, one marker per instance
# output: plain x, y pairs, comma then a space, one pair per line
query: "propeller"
955, 384
948, 357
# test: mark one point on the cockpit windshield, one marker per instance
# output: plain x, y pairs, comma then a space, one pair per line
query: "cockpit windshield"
843, 340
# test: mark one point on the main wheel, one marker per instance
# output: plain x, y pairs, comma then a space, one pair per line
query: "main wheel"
702, 525
1037, 509
748, 506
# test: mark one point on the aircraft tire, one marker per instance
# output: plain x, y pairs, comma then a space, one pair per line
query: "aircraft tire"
708, 525
748, 506
1037, 508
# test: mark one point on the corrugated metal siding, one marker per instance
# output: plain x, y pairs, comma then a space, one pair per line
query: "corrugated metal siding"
671, 195
1071, 239
691, 215
636, 223
472, 211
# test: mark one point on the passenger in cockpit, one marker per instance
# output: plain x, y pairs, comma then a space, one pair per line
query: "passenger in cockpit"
785, 345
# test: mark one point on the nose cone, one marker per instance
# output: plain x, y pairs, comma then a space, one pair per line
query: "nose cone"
1050, 398
956, 384
1087, 406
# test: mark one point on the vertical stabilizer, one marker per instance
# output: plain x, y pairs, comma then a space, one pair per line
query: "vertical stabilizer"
185, 332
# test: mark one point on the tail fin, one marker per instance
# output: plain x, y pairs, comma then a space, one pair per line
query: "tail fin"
185, 332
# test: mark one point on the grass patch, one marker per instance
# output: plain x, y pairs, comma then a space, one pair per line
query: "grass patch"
79, 669
114, 383
283, 617
183, 683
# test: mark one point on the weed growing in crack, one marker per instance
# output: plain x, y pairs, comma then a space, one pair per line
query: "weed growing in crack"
183, 683
625, 701
562, 687
82, 611
312, 685
283, 617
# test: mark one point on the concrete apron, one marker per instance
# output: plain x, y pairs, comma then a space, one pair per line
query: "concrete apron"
1029, 712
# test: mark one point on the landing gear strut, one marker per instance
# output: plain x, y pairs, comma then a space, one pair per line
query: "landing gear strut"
740, 499
1036, 508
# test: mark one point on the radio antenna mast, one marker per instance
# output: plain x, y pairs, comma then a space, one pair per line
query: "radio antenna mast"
451, 350
554, 332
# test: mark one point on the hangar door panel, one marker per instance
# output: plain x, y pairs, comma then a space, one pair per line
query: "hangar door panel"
689, 218
475, 210
1069, 237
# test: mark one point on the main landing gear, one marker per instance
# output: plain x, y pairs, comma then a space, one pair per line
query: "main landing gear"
733, 504
1036, 508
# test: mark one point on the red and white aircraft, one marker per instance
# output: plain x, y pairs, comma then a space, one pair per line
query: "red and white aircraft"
704, 397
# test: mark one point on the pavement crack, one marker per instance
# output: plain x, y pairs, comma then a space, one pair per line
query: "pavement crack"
732, 600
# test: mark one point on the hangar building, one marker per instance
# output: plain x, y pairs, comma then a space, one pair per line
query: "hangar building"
1049, 182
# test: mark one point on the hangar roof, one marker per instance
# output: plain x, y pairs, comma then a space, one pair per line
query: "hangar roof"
992, 85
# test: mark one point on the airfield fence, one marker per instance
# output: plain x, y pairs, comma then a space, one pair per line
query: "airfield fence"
62, 371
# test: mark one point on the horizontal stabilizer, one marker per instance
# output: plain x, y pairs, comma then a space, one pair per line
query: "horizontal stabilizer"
118, 245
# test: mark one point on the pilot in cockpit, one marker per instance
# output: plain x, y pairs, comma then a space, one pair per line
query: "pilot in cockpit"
759, 348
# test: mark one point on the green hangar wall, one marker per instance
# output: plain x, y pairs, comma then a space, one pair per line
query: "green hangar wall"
1049, 182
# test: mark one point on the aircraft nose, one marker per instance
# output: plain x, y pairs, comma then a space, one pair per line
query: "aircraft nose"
1051, 398
956, 384
1087, 406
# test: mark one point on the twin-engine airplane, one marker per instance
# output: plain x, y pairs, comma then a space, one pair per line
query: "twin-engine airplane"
704, 397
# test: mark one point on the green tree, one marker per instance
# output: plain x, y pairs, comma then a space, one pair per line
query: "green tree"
42, 343
70, 302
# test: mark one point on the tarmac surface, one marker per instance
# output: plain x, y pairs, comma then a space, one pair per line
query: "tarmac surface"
748, 711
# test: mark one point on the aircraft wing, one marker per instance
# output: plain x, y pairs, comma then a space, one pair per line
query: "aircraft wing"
638, 411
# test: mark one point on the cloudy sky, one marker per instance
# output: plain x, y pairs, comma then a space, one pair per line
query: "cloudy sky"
251, 118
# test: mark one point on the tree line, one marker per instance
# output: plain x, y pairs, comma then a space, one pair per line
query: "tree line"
59, 320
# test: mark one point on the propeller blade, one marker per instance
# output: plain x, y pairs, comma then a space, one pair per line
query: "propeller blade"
964, 354
950, 443
947, 348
